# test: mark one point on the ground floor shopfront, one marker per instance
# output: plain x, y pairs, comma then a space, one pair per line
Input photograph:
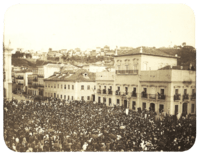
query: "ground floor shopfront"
137, 103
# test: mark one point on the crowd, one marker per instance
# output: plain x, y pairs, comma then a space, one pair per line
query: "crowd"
87, 126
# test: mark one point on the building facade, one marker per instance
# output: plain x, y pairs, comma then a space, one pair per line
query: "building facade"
140, 83
79, 85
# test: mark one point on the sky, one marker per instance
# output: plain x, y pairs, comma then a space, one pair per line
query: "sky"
40, 27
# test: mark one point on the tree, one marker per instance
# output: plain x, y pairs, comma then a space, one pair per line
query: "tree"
184, 44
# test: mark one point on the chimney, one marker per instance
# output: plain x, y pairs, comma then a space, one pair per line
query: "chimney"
141, 50
116, 51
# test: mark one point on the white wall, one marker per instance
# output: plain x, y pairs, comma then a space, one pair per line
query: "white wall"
156, 62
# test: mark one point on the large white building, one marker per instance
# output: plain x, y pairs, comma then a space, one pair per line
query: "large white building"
148, 78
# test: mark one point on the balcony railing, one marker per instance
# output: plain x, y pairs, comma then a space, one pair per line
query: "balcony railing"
117, 93
20, 83
134, 94
99, 91
109, 92
177, 97
19, 78
35, 80
133, 72
41, 76
193, 97
161, 96
40, 85
185, 97
104, 91
144, 95
152, 96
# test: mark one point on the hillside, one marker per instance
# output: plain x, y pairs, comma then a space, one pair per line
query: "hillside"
22, 62
187, 56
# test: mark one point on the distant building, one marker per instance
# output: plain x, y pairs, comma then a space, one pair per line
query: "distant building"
49, 69
106, 48
93, 53
53, 53
79, 85
110, 53
98, 49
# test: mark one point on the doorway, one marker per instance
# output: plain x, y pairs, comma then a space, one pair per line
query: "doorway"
176, 109
125, 103
99, 100
93, 97
152, 106
184, 108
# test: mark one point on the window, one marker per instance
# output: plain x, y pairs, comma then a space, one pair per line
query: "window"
110, 101
68, 97
54, 85
185, 91
88, 87
162, 91
68, 86
65, 86
145, 90
176, 109
161, 108
57, 95
133, 105
82, 97
176, 91
88, 98
65, 97
72, 87
144, 105
61, 86
72, 98
118, 102
82, 87
134, 90
51, 94
118, 88
57, 85
94, 87
192, 108
48, 85
193, 91
51, 86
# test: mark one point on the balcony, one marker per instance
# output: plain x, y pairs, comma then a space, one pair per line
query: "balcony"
132, 72
19, 78
99, 91
161, 96
104, 91
117, 92
193, 96
177, 97
20, 83
185, 97
133, 94
41, 85
35, 80
41, 76
110, 92
144, 95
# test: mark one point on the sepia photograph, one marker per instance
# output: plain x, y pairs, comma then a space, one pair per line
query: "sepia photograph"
99, 78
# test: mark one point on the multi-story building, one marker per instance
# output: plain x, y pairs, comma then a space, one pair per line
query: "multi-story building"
36, 82
140, 81
7, 72
79, 85
105, 88
21, 80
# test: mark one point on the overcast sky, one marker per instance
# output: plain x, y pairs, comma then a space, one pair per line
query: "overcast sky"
88, 26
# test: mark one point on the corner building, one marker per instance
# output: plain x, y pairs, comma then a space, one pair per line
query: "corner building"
146, 77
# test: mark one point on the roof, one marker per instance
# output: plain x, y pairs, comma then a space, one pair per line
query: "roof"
145, 51
174, 67
71, 76
54, 65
